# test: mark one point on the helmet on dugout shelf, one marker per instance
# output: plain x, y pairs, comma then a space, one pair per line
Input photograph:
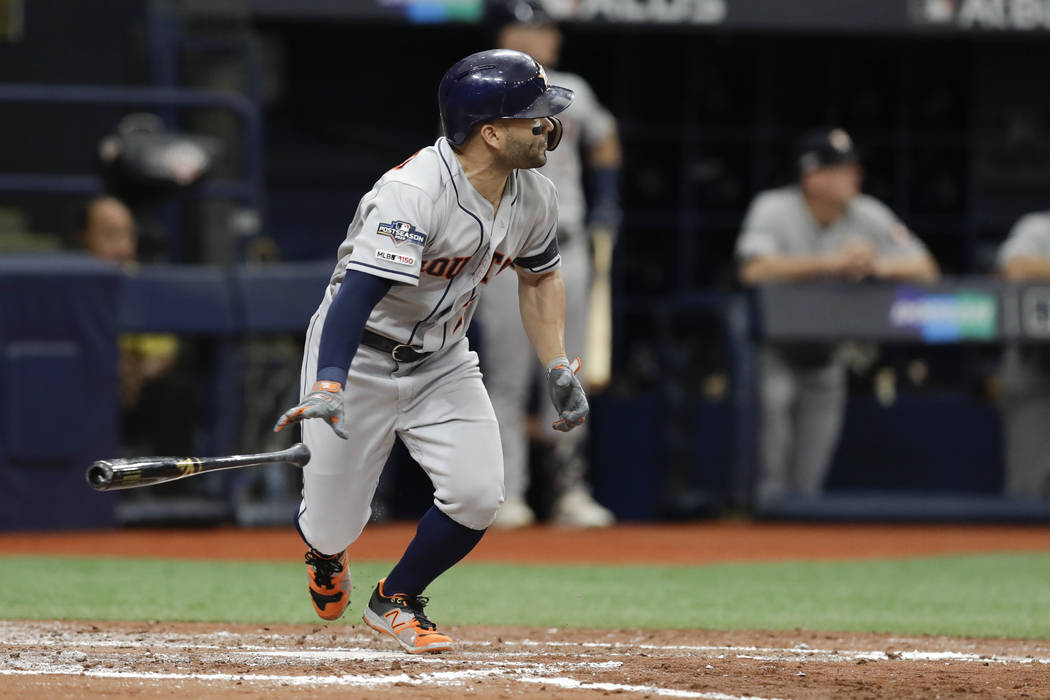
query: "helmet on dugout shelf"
498, 84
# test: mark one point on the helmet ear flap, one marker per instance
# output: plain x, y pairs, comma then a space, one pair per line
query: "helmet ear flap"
554, 135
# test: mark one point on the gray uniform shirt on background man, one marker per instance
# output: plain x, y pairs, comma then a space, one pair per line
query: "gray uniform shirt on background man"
803, 388
1026, 380
509, 364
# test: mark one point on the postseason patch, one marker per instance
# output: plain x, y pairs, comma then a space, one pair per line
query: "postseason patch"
402, 232
395, 257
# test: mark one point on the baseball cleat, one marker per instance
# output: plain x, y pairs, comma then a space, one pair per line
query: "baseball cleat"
576, 508
402, 618
329, 583
514, 513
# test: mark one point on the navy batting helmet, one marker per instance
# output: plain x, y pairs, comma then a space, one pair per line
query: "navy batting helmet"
498, 84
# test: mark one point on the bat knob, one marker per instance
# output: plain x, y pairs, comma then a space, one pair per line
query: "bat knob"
99, 476
299, 454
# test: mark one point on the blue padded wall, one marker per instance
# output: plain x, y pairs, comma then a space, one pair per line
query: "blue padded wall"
58, 389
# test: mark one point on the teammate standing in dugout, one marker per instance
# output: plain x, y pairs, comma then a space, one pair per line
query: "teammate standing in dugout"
510, 372
386, 352
821, 228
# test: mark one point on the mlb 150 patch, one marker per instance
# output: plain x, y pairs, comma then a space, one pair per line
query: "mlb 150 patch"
395, 257
402, 232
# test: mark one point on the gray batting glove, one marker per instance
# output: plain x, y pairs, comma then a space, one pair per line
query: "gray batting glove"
566, 393
324, 401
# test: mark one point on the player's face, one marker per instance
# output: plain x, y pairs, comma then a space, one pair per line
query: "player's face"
541, 41
837, 183
526, 142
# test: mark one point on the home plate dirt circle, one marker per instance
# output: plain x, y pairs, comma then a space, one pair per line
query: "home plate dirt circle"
95, 659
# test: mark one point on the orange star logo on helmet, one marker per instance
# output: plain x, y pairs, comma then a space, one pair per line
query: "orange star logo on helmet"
543, 75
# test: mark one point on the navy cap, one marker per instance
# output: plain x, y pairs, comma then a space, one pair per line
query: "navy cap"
500, 13
824, 148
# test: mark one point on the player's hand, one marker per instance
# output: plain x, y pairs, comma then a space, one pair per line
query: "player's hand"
859, 257
566, 393
325, 401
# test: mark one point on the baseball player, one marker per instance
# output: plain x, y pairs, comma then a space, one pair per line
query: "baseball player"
386, 353
510, 373
822, 227
1025, 257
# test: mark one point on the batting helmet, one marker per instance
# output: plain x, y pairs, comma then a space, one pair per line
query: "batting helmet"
498, 84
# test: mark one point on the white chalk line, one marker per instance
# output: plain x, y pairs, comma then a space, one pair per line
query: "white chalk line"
551, 673
797, 653
743, 651
442, 678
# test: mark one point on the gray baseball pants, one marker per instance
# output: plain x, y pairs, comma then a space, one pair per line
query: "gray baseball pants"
440, 410
802, 411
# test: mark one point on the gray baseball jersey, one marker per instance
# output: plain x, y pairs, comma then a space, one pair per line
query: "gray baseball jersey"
426, 227
1030, 237
778, 222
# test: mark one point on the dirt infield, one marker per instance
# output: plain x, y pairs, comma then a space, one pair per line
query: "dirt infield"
667, 544
81, 659
46, 659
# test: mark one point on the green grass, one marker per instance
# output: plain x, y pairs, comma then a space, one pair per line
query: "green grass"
1002, 595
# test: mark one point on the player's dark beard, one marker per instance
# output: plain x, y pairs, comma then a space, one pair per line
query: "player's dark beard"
525, 153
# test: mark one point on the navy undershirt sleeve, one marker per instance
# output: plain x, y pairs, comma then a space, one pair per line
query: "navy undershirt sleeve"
345, 323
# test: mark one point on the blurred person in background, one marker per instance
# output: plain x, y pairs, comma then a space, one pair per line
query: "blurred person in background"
153, 399
1025, 257
511, 372
820, 228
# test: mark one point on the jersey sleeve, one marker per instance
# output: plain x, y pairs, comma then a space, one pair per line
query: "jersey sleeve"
758, 234
393, 233
1030, 237
539, 251
892, 238
594, 120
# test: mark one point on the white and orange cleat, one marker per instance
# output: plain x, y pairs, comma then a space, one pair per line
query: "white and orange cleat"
402, 618
329, 583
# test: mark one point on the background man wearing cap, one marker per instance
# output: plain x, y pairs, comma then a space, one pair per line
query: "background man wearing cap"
510, 371
820, 228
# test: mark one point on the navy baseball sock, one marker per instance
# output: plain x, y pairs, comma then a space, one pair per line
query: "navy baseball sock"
439, 543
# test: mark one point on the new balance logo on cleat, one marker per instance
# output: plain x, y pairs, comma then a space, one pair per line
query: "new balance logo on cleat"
402, 617
329, 583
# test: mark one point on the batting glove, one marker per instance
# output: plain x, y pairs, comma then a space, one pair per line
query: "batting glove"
566, 393
325, 401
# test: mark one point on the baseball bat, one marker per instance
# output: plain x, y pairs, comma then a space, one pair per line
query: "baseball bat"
133, 472
598, 343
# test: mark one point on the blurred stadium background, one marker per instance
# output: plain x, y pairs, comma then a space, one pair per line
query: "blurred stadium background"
299, 106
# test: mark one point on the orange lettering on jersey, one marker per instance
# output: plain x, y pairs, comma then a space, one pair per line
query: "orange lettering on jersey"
456, 266
405, 162
497, 258
437, 267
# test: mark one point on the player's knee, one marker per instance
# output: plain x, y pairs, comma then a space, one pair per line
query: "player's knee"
476, 503
331, 535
